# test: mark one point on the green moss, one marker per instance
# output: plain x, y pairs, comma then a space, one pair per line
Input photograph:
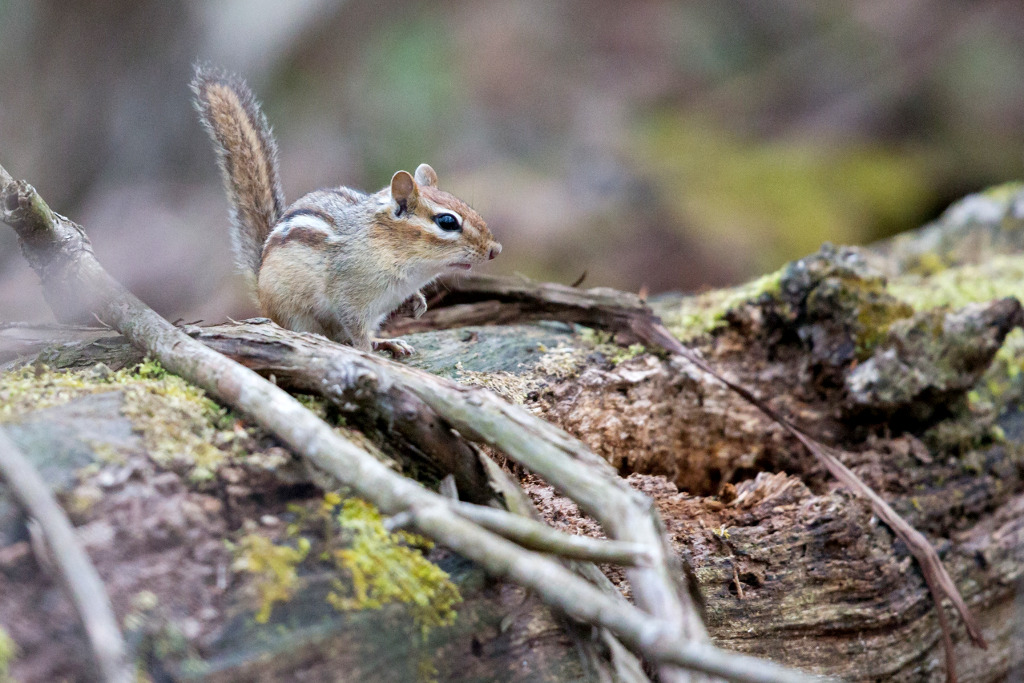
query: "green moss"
875, 317
36, 387
602, 342
562, 362
998, 277
1001, 385
1003, 381
386, 568
178, 423
866, 299
829, 287
8, 652
703, 313
274, 568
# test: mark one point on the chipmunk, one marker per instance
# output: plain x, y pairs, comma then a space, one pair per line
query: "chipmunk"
337, 261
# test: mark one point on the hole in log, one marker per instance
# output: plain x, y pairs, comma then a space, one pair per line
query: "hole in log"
644, 416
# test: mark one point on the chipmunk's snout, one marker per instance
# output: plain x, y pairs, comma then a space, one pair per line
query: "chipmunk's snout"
495, 250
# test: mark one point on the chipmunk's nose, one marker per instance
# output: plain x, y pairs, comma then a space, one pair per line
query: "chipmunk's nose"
495, 250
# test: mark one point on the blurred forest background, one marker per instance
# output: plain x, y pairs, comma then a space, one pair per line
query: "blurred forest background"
657, 144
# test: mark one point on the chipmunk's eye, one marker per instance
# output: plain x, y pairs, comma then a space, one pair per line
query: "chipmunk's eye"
446, 221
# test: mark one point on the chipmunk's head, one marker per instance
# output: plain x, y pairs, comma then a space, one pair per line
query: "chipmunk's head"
435, 226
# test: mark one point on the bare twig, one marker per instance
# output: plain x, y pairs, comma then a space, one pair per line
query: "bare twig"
534, 535
74, 282
493, 300
541, 537
448, 488
76, 571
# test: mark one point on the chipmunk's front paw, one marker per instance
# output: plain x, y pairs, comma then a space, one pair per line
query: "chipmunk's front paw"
396, 347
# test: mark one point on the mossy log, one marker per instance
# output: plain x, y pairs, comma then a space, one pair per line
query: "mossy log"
907, 356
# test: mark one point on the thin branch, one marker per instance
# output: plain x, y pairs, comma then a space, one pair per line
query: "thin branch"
76, 571
537, 536
534, 535
494, 300
59, 251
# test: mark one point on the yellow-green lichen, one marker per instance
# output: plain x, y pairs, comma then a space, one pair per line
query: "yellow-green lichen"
705, 312
375, 567
1000, 276
874, 303
566, 361
274, 568
177, 422
603, 343
1002, 384
561, 362
1007, 368
386, 568
8, 651
876, 312
36, 387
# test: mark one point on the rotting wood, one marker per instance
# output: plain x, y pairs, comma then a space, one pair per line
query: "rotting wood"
75, 282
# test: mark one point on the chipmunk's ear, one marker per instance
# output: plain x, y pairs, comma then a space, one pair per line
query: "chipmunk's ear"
425, 175
404, 192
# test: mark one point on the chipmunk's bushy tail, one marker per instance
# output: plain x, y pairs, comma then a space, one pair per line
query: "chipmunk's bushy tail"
247, 155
